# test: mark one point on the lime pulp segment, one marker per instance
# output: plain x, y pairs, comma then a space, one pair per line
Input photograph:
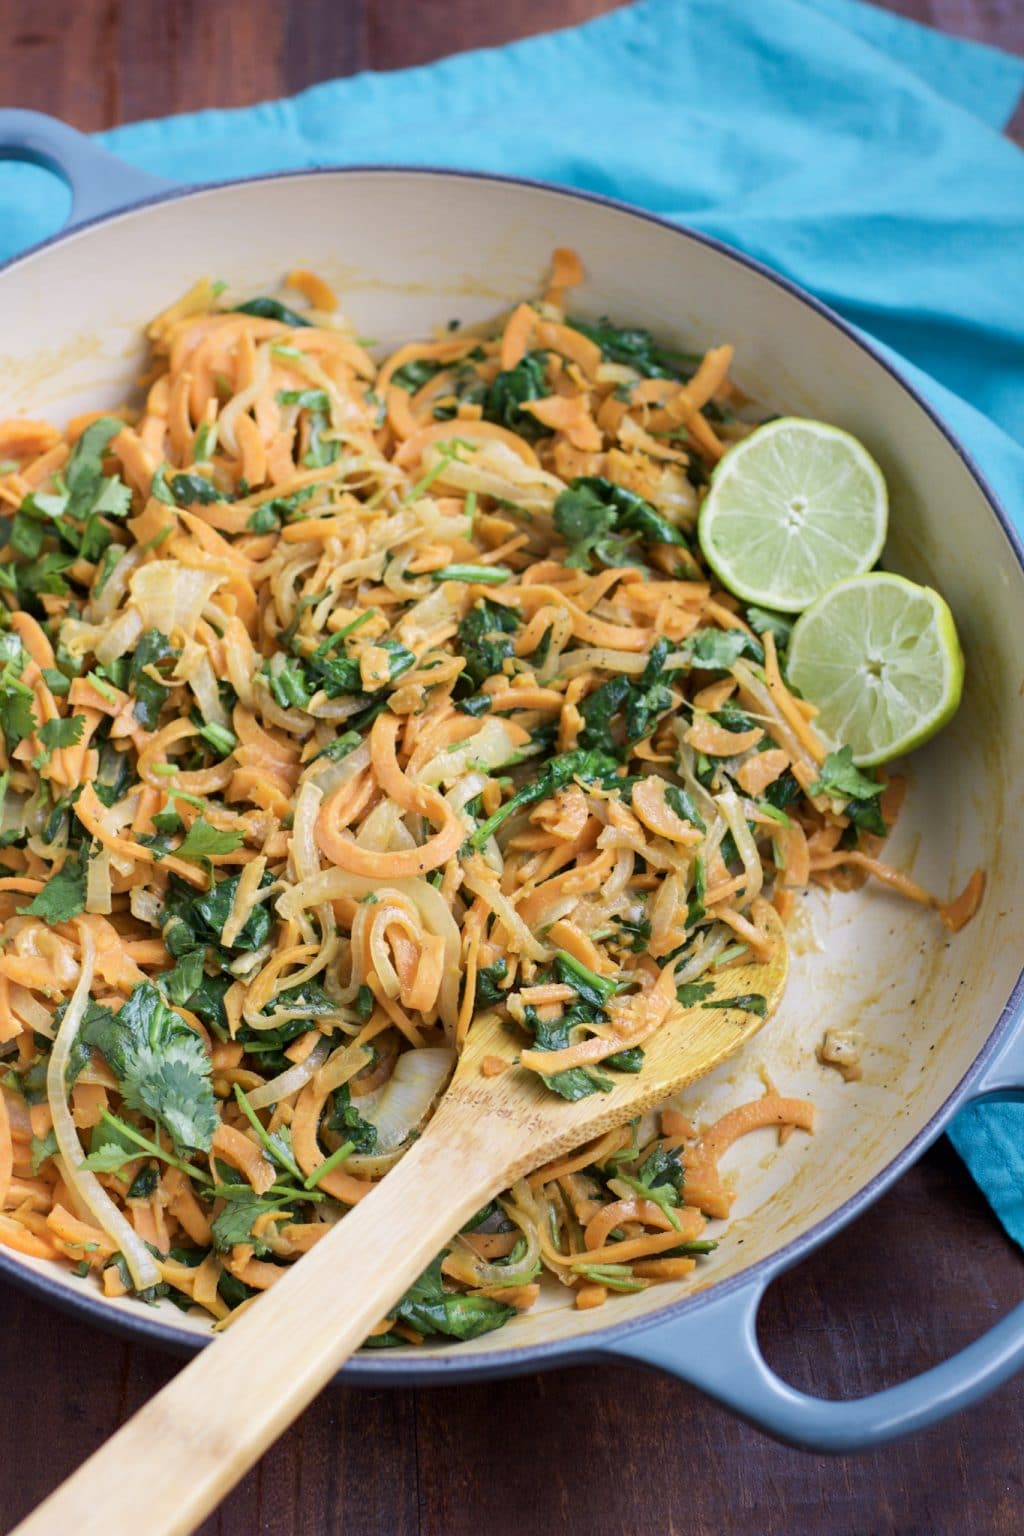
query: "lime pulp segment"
880, 658
792, 509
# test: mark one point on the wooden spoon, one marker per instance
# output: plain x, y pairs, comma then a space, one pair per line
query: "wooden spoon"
175, 1460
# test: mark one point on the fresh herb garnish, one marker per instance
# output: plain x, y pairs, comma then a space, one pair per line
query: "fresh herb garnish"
747, 1002
488, 991
160, 1063
271, 309
555, 775
594, 516
511, 388
63, 895
485, 639
842, 780
636, 348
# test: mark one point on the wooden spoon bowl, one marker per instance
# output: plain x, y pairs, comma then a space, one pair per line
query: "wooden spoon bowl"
173, 1462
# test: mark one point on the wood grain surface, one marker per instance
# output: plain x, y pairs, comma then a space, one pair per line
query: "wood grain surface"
595, 1451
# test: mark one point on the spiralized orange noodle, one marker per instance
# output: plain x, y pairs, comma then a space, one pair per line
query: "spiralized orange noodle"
342, 699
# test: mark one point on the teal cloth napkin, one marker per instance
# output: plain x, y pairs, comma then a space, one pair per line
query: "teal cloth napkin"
854, 151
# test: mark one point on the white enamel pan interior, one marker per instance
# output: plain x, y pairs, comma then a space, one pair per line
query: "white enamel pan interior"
410, 249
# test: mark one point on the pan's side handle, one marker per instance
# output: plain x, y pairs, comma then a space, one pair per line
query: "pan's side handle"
100, 182
713, 1345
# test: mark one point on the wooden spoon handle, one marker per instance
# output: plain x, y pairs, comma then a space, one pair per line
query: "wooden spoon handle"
172, 1463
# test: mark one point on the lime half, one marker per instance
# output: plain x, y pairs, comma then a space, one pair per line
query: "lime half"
880, 658
791, 510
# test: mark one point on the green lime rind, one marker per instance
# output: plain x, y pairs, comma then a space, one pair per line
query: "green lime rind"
881, 659
790, 511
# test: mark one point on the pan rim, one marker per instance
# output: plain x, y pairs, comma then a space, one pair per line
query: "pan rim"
404, 1369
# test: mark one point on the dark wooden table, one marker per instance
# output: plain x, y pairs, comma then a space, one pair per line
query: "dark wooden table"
588, 1451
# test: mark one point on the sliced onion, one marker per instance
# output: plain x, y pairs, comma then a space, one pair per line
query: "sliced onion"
302, 846
106, 640
330, 884
706, 954
406, 1099
752, 689
732, 810
384, 830
12, 813
520, 936
442, 526
203, 683
289, 1082
490, 747
118, 637
496, 470
171, 596
240, 403
247, 893
525, 1267
328, 776
100, 609
426, 618
603, 658
98, 892
30, 1010
82, 1181
145, 905
344, 1064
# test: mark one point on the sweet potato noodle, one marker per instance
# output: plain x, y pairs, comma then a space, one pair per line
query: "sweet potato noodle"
340, 701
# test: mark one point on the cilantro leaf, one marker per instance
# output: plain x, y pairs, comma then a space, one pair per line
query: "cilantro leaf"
430, 1309
593, 509
488, 992
161, 1065
271, 514
63, 895
662, 1169
194, 490
417, 372
764, 619
715, 650
152, 651
114, 500
346, 1122
16, 718
271, 309
692, 992
748, 1002
83, 474
842, 780
42, 1148
555, 775
485, 639
636, 348
202, 840
236, 1221
505, 397
194, 918
576, 1082
62, 733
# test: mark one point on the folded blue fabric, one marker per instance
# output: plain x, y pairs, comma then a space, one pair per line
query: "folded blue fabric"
856, 152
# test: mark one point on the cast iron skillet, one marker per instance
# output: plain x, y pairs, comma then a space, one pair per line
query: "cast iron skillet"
708, 1339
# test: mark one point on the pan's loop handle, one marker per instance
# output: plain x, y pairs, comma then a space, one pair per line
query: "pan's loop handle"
714, 1346
100, 182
